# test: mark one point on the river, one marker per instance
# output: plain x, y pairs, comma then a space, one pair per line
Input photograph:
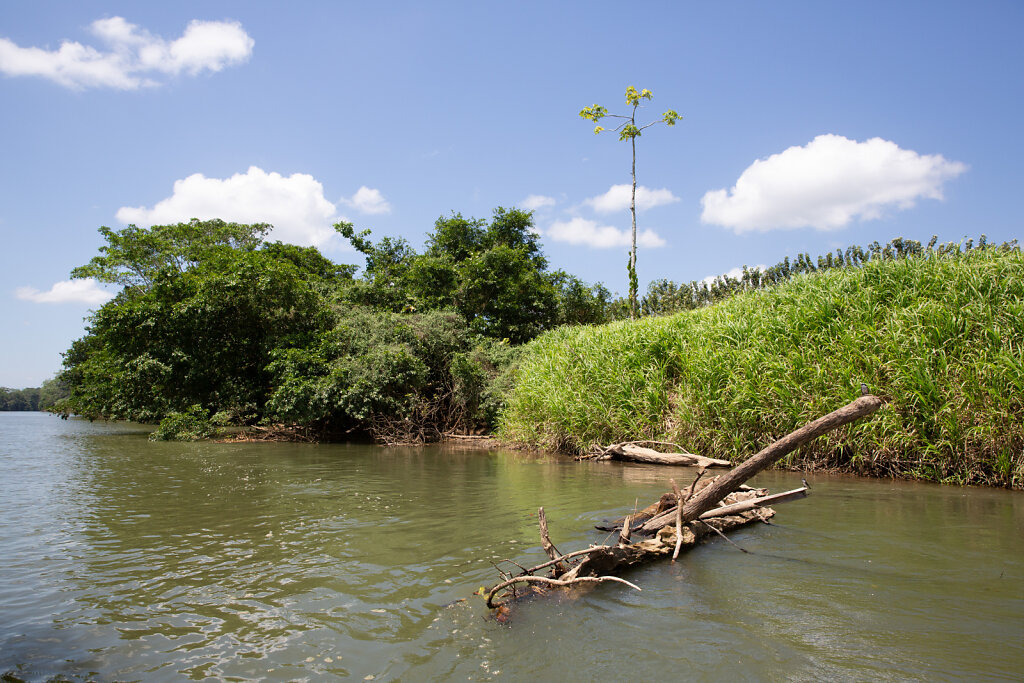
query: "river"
122, 559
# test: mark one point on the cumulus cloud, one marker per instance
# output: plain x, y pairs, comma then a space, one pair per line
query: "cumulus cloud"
589, 233
828, 183
133, 56
537, 201
86, 291
368, 200
294, 204
617, 198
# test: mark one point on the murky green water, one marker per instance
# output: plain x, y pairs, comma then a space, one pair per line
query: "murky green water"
122, 559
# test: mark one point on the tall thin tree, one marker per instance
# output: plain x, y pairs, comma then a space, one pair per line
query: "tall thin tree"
629, 130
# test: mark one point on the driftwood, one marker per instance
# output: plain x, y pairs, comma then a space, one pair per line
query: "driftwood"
665, 508
675, 513
633, 452
727, 483
664, 542
600, 562
677, 521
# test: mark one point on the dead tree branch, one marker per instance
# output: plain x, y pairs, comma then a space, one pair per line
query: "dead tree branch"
554, 582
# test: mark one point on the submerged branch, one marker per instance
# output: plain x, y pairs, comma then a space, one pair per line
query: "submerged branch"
554, 582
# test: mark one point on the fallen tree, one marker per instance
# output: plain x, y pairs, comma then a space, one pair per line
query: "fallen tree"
676, 520
632, 451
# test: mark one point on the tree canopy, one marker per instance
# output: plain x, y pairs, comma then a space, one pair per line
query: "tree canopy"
212, 319
492, 273
135, 256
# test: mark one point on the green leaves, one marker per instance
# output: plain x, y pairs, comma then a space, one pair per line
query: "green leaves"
192, 424
214, 320
628, 129
628, 132
594, 113
198, 337
633, 97
378, 370
494, 274
135, 256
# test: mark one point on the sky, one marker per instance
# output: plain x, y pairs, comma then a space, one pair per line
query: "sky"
806, 126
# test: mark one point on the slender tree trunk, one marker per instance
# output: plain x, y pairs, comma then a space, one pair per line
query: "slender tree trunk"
633, 314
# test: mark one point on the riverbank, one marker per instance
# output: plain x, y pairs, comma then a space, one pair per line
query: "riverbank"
939, 337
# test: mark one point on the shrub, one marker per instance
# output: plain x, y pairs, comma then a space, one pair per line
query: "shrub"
192, 424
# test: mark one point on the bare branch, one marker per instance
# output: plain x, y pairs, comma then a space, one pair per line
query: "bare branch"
693, 485
560, 558
545, 540
554, 582
717, 531
679, 518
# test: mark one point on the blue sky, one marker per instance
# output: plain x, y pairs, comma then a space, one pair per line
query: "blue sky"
806, 126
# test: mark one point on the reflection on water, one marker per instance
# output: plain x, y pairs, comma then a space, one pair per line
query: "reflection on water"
129, 560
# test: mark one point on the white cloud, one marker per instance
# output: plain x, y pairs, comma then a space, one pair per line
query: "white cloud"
294, 205
86, 291
134, 55
826, 184
617, 198
537, 201
368, 200
582, 231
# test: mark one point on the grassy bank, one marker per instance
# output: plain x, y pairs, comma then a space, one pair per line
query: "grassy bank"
940, 337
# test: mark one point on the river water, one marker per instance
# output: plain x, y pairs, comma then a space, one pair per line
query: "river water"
122, 559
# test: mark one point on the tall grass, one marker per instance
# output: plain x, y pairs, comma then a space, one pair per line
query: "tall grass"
940, 336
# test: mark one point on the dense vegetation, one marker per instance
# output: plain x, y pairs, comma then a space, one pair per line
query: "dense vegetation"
214, 324
939, 333
665, 296
31, 398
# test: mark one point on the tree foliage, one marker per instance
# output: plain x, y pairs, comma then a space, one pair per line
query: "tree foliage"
413, 376
213, 319
32, 398
197, 331
494, 274
135, 256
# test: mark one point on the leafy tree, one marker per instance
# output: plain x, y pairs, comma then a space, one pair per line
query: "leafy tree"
629, 130
400, 376
384, 285
52, 391
502, 288
514, 228
457, 238
503, 295
20, 399
135, 256
433, 282
195, 332
578, 303
311, 263
212, 320
493, 273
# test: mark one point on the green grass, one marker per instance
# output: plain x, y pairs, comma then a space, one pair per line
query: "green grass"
941, 338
